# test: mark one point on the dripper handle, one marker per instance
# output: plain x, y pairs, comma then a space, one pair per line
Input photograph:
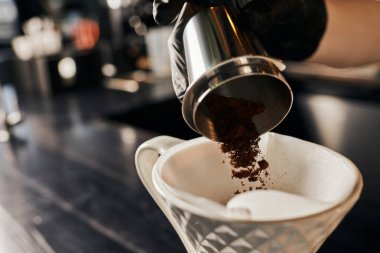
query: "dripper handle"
146, 157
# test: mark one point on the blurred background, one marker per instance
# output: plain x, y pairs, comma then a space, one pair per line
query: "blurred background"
53, 45
48, 46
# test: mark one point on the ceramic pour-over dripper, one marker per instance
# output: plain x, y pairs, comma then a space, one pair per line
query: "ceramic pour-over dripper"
194, 189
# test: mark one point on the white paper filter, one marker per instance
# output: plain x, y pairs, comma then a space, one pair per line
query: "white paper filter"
305, 178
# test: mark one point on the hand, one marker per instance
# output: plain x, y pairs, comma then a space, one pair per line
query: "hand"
288, 29
167, 12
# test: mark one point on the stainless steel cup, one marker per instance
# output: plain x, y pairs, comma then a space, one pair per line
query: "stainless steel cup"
224, 59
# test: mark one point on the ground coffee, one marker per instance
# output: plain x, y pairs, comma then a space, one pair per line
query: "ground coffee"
239, 138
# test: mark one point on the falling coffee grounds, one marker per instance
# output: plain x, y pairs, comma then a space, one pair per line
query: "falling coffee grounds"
238, 136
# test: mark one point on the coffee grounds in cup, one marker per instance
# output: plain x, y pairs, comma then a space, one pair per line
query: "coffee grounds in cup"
239, 139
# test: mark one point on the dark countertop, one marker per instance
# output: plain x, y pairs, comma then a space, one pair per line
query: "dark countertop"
68, 182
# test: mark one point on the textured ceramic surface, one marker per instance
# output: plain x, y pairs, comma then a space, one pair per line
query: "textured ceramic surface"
297, 236
208, 227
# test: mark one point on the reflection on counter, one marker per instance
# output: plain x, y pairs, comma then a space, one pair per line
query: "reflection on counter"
368, 75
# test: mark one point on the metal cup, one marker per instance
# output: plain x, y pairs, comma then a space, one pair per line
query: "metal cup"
224, 59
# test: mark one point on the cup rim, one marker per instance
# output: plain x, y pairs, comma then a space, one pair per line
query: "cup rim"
163, 188
201, 87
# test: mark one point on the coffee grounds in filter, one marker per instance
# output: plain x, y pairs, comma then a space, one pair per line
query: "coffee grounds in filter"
238, 136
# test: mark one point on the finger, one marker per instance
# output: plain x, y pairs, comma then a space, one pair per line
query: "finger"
165, 12
176, 49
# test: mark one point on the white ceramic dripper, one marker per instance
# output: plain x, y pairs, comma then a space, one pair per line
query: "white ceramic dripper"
194, 189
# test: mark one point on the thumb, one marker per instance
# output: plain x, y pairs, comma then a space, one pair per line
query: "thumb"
176, 49
166, 11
